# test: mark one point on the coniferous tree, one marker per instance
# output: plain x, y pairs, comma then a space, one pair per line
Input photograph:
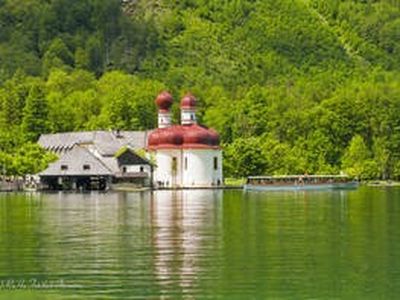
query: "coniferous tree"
35, 118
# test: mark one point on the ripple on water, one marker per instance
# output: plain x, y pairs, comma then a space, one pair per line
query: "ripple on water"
204, 244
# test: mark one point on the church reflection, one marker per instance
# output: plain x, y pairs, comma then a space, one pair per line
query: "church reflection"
180, 221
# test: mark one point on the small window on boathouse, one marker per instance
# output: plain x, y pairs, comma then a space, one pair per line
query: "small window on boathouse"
86, 167
186, 163
64, 167
215, 163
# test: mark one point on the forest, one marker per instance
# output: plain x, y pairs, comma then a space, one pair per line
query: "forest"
292, 86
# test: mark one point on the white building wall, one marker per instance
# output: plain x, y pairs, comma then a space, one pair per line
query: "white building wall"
199, 171
136, 168
164, 175
218, 175
164, 119
188, 117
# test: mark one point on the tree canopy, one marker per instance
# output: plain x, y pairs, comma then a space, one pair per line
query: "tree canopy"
292, 86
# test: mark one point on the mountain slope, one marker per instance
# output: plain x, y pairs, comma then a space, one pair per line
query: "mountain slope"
300, 81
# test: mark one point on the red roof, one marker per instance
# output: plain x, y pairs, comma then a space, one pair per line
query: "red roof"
183, 137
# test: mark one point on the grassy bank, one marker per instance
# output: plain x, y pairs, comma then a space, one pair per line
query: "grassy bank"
234, 181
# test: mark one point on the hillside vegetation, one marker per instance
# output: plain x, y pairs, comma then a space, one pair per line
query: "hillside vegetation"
293, 86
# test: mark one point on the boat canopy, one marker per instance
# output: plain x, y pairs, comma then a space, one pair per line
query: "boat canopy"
286, 177
295, 179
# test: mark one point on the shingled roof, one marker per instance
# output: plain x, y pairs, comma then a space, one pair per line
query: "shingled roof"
77, 162
107, 143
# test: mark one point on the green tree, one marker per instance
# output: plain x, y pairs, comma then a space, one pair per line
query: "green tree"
81, 59
381, 157
357, 160
35, 118
244, 157
12, 100
57, 56
31, 159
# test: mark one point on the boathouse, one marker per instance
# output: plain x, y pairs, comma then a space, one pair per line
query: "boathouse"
96, 160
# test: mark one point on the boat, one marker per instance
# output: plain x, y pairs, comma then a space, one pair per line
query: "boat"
300, 182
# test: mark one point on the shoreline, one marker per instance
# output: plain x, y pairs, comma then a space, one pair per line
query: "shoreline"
125, 189
369, 183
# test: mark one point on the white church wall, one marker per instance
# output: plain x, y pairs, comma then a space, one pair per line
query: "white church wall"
166, 174
218, 176
164, 119
199, 170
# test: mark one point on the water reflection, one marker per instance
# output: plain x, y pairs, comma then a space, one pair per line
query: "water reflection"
203, 243
181, 221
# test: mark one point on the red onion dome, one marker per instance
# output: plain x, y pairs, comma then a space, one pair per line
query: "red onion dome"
214, 137
164, 100
154, 138
169, 137
178, 137
198, 135
188, 101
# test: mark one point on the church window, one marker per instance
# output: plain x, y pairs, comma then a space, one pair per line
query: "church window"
174, 166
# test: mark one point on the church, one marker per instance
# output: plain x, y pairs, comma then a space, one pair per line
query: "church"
186, 155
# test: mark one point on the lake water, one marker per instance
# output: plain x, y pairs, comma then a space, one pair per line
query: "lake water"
201, 244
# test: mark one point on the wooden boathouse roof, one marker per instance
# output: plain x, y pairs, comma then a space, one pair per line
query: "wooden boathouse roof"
93, 153
77, 162
106, 143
